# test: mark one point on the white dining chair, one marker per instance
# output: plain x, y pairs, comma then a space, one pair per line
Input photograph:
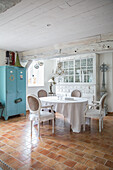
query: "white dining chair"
36, 114
42, 93
96, 111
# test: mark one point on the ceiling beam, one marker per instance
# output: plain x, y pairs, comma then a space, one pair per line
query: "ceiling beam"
96, 44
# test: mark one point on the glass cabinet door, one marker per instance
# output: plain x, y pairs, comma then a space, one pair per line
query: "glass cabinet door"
71, 71
77, 71
83, 70
66, 71
66, 65
90, 70
65, 79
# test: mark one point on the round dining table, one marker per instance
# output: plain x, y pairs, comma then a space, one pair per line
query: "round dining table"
71, 107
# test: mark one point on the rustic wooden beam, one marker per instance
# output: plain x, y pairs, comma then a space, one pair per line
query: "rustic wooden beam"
96, 44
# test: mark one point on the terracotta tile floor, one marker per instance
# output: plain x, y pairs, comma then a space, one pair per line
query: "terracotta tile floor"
63, 150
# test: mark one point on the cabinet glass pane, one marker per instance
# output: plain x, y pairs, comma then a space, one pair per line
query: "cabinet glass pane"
71, 71
71, 79
90, 62
85, 78
90, 68
77, 78
66, 64
89, 71
83, 68
65, 79
83, 62
83, 75
84, 71
71, 64
77, 71
66, 71
77, 63
88, 78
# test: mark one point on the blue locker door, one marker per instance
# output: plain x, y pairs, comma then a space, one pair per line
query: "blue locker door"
10, 92
21, 90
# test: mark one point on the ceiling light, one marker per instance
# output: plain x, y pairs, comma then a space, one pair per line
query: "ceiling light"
48, 25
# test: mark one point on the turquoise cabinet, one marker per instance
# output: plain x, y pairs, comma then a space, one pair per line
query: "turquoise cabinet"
13, 90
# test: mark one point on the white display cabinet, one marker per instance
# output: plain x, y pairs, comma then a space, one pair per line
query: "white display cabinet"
80, 72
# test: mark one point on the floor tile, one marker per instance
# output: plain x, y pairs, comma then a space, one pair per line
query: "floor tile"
50, 162
80, 166
60, 158
70, 163
109, 164
38, 165
100, 160
109, 157
42, 158
45, 152
90, 164
52, 155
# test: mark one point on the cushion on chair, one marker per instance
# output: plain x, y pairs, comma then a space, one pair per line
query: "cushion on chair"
45, 115
94, 113
33, 116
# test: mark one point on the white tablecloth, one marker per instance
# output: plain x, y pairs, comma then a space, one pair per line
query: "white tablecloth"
72, 108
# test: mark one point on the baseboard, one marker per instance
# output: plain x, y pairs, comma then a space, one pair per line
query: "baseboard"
110, 112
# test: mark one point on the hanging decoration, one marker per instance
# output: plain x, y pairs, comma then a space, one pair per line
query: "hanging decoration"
59, 71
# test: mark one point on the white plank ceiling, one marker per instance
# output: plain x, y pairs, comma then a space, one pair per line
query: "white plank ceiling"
32, 24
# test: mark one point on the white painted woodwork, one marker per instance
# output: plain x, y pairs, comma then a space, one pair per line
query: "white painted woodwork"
24, 26
98, 44
88, 90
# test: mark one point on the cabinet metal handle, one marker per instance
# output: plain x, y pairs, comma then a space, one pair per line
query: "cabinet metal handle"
18, 100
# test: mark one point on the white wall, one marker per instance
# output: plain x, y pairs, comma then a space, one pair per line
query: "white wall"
107, 58
2, 57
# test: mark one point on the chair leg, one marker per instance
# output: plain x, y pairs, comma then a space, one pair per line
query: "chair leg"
52, 125
38, 129
84, 124
100, 125
54, 115
64, 120
90, 122
31, 126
